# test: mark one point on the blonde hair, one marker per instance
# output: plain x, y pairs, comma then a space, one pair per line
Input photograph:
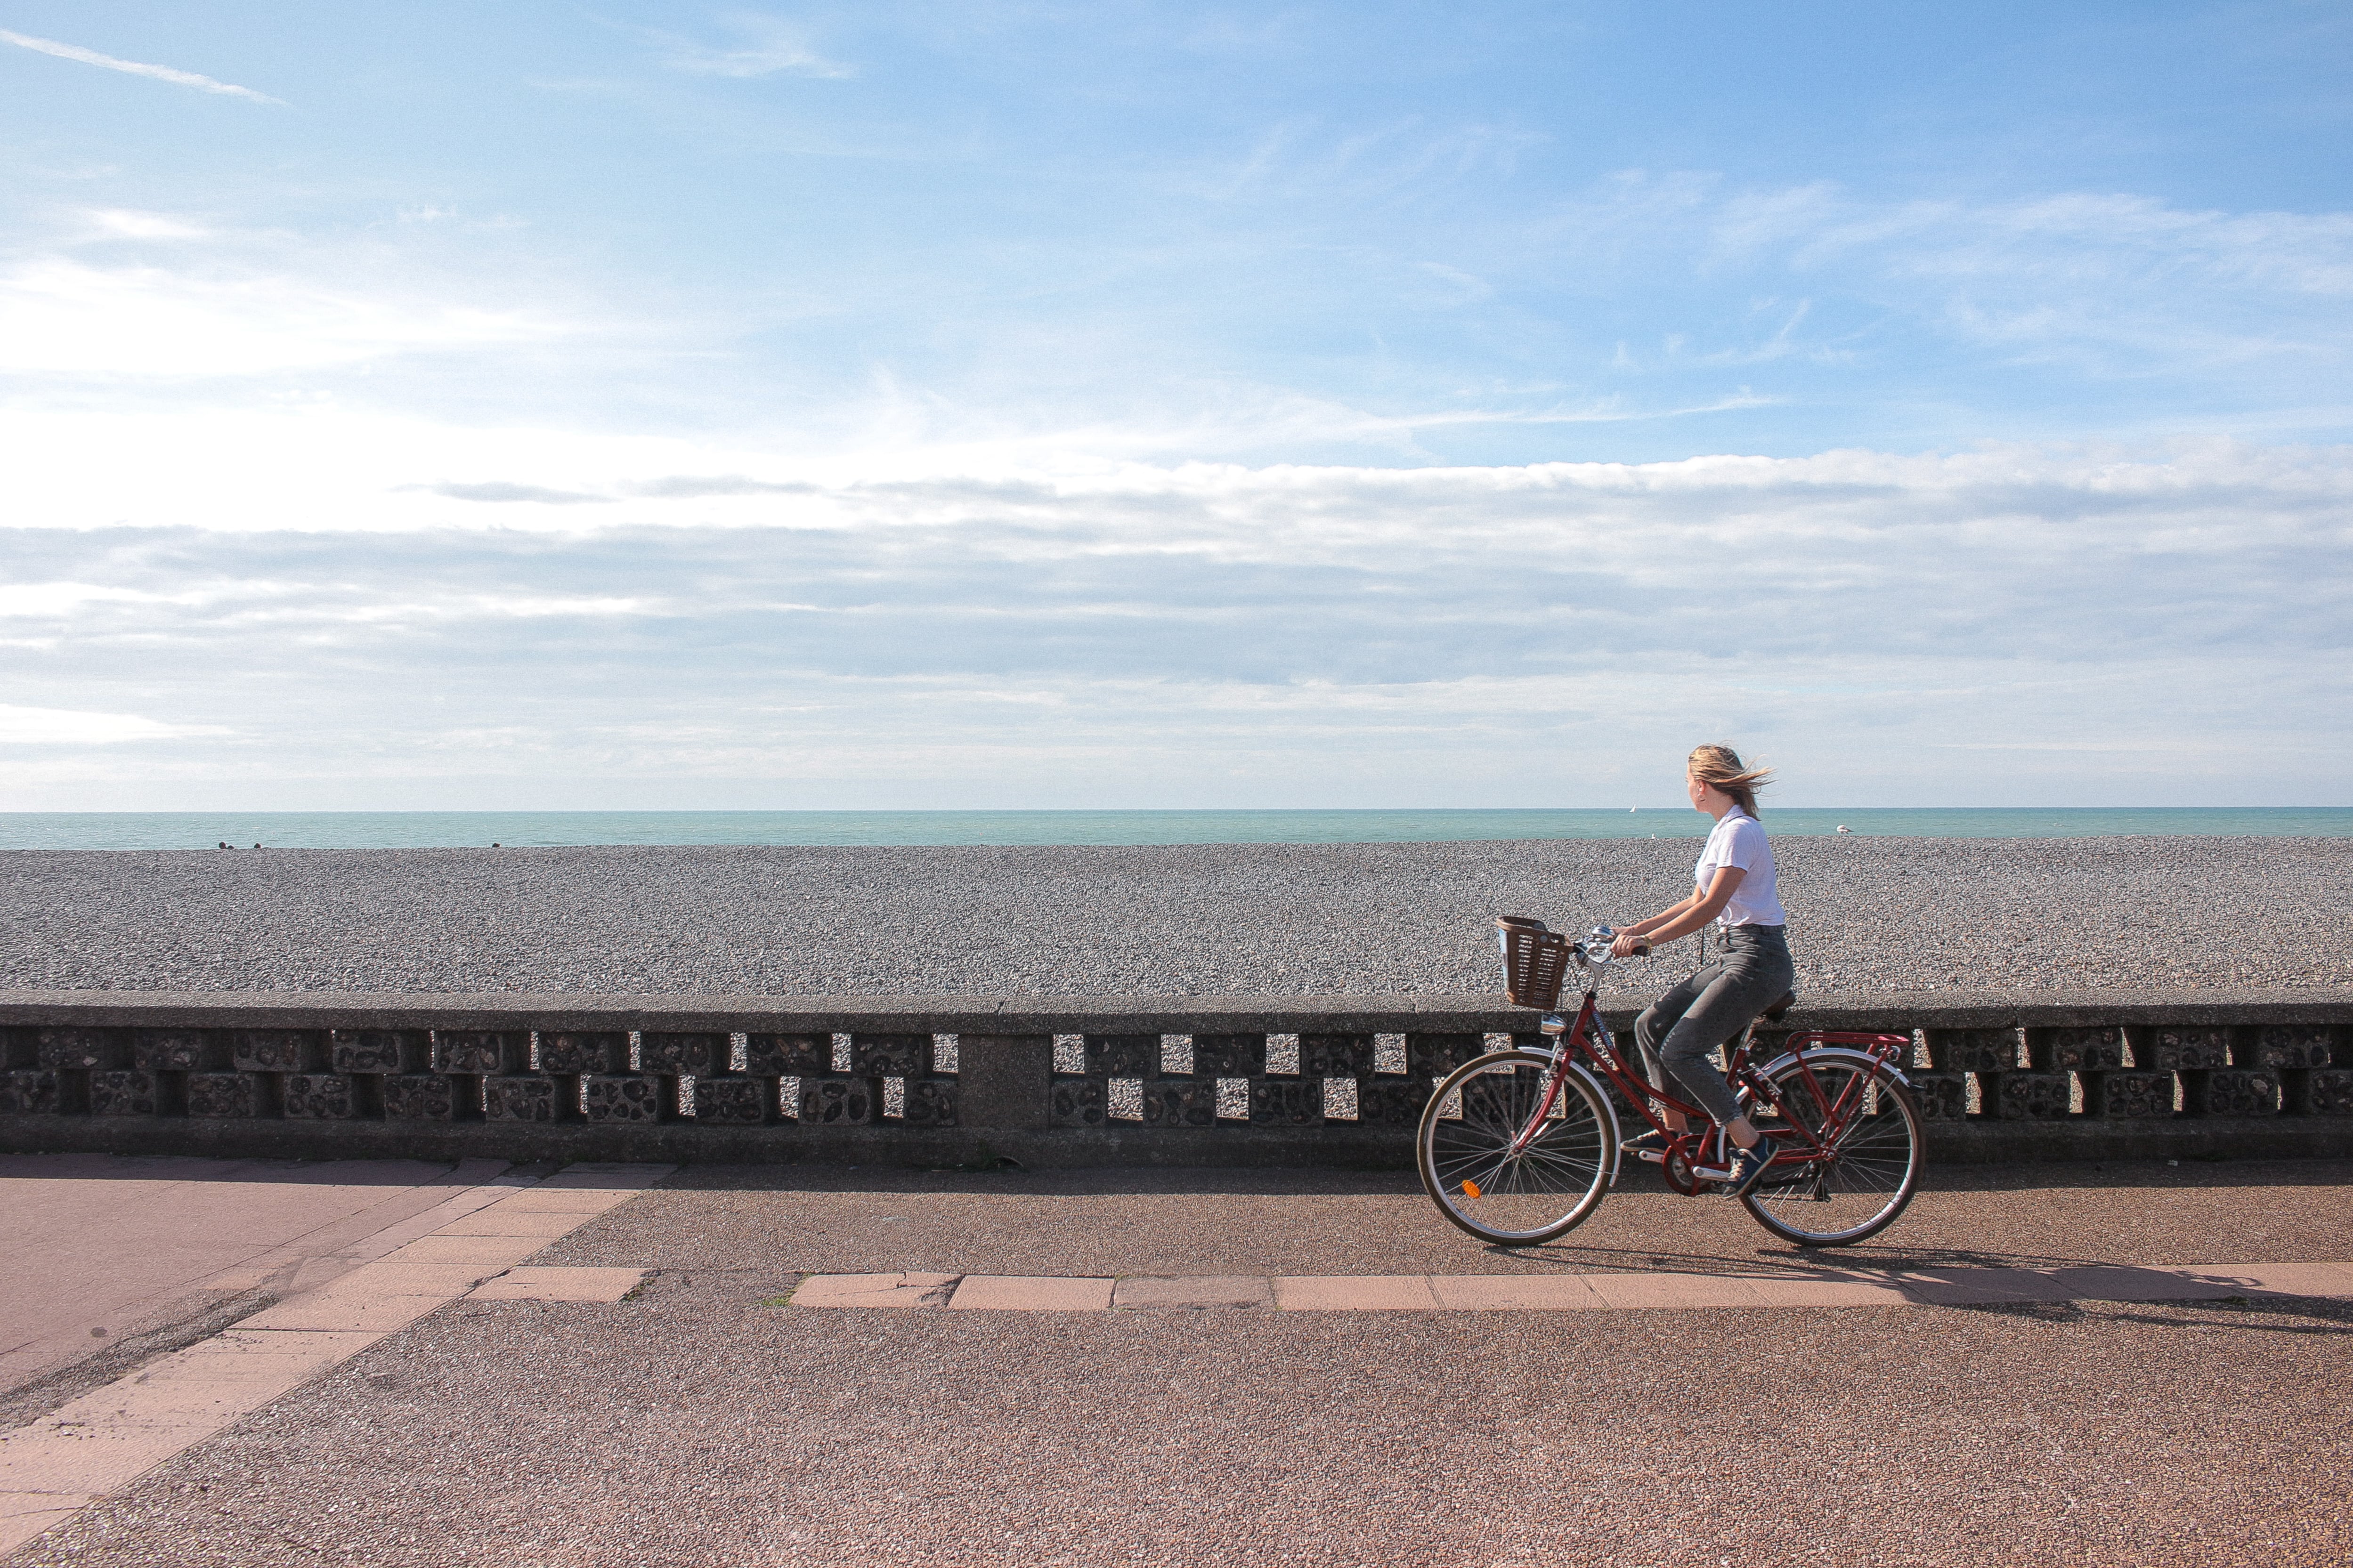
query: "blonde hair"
1720, 766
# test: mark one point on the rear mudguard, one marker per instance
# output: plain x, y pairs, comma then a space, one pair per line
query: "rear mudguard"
1836, 1053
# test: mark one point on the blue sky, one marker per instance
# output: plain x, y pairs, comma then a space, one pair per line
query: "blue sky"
1469, 404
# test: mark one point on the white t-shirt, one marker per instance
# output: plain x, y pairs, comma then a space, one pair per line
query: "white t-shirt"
1739, 840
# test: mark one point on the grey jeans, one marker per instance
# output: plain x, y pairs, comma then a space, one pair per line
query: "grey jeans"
1680, 1030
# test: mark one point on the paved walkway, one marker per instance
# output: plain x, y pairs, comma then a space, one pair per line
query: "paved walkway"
574, 1372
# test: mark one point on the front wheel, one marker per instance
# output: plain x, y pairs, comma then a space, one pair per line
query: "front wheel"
1873, 1152
1468, 1168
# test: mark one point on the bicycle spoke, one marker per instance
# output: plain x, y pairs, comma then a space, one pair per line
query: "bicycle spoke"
1864, 1160
1489, 1180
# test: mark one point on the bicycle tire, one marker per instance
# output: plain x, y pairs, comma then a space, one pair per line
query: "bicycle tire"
1461, 1150
1869, 1177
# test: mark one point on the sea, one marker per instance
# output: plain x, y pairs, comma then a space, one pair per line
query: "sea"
529, 829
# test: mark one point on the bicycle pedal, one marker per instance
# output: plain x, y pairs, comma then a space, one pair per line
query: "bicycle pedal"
1651, 1156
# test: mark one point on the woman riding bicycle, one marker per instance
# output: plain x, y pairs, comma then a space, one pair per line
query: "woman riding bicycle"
1733, 886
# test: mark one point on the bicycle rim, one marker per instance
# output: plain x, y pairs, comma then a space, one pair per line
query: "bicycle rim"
1468, 1168
1870, 1171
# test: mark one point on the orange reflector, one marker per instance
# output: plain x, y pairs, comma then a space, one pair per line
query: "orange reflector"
1470, 1189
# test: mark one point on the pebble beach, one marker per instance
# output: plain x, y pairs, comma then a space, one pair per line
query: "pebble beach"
1867, 916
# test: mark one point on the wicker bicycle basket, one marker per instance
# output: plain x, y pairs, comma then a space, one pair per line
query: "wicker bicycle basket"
1535, 961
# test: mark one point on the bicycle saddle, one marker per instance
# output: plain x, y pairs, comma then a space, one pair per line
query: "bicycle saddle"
1773, 1014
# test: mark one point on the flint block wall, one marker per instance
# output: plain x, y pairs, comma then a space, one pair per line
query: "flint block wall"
1145, 1080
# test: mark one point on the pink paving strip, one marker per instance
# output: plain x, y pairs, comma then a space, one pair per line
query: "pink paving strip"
1515, 1293
1004, 1293
874, 1291
1355, 1293
1576, 1292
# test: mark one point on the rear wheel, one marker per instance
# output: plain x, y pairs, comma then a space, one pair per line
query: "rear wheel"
1465, 1150
1866, 1178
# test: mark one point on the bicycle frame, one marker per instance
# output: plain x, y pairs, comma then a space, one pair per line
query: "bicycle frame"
1587, 1041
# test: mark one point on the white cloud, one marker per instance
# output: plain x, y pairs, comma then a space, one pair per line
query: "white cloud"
52, 600
2169, 625
67, 727
133, 68
63, 317
124, 223
769, 48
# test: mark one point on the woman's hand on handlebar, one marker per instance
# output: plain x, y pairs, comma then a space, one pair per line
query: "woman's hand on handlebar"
1628, 945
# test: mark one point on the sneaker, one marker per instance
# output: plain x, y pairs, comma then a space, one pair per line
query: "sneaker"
1651, 1146
1748, 1168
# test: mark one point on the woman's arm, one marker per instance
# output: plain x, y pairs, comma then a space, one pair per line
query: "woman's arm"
1643, 928
1683, 919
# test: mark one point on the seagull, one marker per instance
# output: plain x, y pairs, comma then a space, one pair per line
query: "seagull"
1844, 829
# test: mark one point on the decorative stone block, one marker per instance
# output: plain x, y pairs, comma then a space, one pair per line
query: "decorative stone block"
180, 1050
1334, 1055
30, 1092
377, 1050
83, 1049
325, 1097
1187, 1102
274, 1051
1435, 1055
890, 1055
2291, 1045
1391, 1102
931, 1102
625, 1097
1389, 1053
2182, 1048
1276, 1102
2076, 1050
1282, 1054
1122, 1056
524, 1096
2129, 1096
480, 1053
1228, 1055
1076, 1102
838, 1101
2231, 1092
734, 1102
427, 1097
570, 1052
1941, 1096
1973, 1050
1176, 1055
787, 1056
1233, 1098
700, 1055
2029, 1095
2320, 1091
126, 1092
232, 1094
1339, 1099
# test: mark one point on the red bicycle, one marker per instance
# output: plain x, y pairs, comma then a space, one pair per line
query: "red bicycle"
1520, 1145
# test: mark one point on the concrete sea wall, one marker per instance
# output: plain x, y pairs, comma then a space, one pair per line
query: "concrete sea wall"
1066, 1081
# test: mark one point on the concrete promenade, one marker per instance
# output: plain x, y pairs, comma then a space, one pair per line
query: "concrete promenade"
759, 1365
